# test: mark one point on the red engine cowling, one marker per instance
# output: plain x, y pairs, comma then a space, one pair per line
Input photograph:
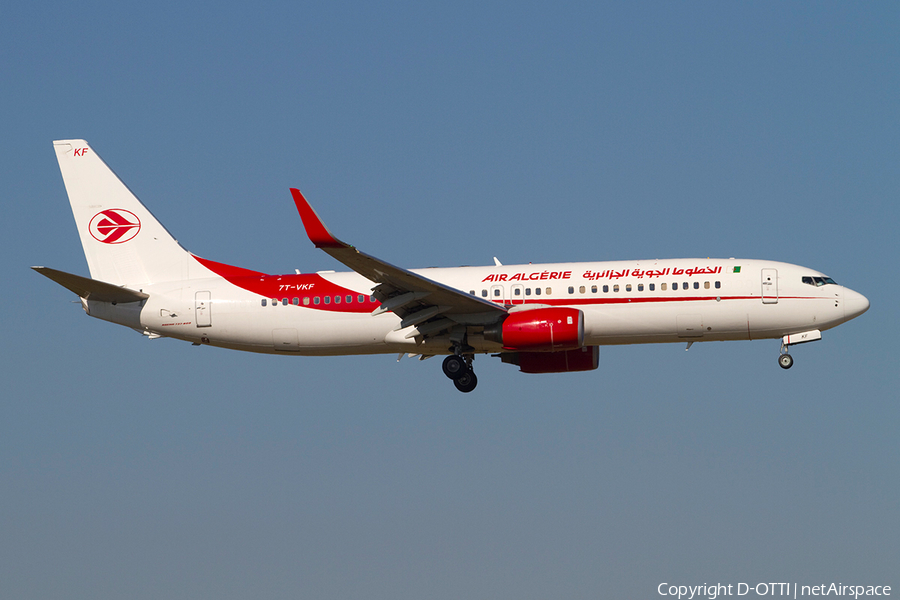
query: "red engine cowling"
567, 361
540, 330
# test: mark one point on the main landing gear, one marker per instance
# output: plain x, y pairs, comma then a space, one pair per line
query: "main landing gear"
459, 368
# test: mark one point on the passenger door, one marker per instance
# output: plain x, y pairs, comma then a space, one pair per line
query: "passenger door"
770, 286
203, 309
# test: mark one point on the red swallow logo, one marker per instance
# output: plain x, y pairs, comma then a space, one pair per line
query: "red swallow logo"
114, 226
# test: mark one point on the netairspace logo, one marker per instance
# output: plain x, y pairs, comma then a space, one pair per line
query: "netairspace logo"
713, 591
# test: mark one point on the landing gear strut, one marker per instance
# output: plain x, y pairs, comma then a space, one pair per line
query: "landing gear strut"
785, 360
459, 368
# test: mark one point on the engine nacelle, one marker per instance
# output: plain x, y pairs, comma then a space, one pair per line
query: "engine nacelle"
539, 330
567, 361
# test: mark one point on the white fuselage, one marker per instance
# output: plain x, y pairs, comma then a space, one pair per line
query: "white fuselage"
547, 318
624, 302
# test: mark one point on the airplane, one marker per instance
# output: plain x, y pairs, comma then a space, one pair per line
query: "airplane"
544, 318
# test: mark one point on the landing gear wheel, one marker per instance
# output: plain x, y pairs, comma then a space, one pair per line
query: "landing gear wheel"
466, 382
454, 366
786, 361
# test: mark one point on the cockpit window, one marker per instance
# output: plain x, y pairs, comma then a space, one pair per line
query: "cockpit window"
819, 281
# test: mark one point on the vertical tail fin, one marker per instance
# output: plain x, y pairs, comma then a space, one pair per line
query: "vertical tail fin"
123, 242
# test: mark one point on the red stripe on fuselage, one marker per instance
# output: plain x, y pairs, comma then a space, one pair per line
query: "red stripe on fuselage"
311, 286
655, 299
227, 271
302, 287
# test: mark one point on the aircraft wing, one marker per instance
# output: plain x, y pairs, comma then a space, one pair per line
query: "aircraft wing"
429, 305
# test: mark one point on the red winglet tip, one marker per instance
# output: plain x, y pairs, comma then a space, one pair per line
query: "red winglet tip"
315, 228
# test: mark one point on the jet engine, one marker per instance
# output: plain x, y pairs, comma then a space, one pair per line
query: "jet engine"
539, 330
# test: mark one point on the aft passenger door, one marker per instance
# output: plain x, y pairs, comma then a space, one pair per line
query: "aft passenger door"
770, 286
202, 312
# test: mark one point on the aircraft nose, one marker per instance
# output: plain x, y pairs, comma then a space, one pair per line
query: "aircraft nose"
855, 304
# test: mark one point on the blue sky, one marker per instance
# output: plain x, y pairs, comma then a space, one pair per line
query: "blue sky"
440, 135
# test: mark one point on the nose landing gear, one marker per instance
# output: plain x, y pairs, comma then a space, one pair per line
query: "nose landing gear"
459, 368
785, 360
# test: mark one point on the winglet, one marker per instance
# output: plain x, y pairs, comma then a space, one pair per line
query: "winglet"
315, 228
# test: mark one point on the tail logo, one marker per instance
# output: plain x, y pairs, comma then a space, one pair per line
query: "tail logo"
114, 226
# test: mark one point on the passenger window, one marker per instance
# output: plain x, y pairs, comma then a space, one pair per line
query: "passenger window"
718, 284
484, 293
527, 291
705, 285
264, 302
372, 298
274, 301
306, 301
674, 285
685, 285
360, 298
327, 299
549, 291
581, 290
662, 287
605, 289
472, 292
349, 298
497, 292
517, 291
593, 289
537, 291
571, 290
315, 300
652, 286
628, 287
295, 301
616, 288
640, 287
337, 299
696, 285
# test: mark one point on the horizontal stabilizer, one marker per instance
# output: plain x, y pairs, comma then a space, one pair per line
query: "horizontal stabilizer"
91, 289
